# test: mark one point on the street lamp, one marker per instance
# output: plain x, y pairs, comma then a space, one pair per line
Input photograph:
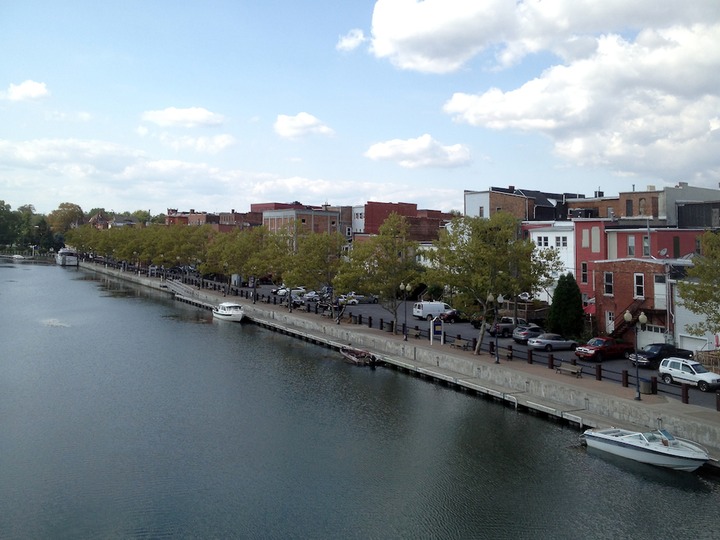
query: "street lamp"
642, 319
405, 290
491, 300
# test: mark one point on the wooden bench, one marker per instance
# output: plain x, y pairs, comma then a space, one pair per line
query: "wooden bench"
463, 344
566, 367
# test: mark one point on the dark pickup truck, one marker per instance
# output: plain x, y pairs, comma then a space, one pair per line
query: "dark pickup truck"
651, 355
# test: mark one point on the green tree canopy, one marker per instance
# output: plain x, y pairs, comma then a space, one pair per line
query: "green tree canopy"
66, 217
477, 257
566, 314
700, 293
379, 264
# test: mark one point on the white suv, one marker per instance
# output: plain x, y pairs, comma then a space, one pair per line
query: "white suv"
681, 370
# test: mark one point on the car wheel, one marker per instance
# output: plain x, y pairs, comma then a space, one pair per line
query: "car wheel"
505, 333
548, 348
573, 346
703, 386
429, 317
667, 378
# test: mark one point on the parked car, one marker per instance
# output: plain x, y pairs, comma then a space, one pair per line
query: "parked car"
551, 342
344, 299
683, 370
362, 298
651, 355
298, 291
521, 334
311, 296
454, 316
506, 326
602, 348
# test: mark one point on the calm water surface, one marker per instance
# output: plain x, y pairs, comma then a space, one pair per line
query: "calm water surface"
126, 415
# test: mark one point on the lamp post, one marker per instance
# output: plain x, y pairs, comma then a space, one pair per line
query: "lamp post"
491, 300
405, 288
642, 319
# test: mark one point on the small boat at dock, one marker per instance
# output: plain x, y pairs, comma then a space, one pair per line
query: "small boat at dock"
358, 357
658, 447
229, 311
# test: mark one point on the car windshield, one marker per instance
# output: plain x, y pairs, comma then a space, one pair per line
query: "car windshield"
595, 342
651, 348
699, 368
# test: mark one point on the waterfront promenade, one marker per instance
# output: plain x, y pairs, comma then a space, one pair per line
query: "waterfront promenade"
532, 387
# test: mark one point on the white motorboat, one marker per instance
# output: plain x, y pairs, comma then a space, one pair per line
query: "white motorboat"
67, 257
229, 311
358, 357
658, 447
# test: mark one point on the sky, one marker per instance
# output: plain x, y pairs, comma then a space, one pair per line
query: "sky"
217, 104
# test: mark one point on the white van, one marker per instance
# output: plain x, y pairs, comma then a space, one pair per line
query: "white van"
429, 310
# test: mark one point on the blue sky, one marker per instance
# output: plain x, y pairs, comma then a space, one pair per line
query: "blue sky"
214, 105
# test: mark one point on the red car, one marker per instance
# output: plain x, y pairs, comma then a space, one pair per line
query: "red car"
601, 348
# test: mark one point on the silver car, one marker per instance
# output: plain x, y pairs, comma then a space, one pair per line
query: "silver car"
551, 342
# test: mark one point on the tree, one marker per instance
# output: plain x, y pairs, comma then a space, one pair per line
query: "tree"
66, 217
566, 314
700, 293
316, 261
379, 264
477, 257
9, 224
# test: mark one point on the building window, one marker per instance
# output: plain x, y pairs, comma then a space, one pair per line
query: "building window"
639, 291
629, 208
585, 241
560, 241
631, 246
608, 281
543, 241
595, 240
583, 272
641, 206
646, 246
481, 212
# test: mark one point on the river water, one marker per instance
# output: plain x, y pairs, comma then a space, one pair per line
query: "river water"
126, 415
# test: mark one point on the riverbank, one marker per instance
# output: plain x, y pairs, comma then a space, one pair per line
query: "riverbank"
584, 402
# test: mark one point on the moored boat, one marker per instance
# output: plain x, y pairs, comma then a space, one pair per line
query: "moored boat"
657, 447
358, 357
67, 257
229, 311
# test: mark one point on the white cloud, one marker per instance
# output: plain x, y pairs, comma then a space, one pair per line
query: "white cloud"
300, 125
208, 145
421, 152
25, 90
642, 107
351, 41
440, 36
189, 117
